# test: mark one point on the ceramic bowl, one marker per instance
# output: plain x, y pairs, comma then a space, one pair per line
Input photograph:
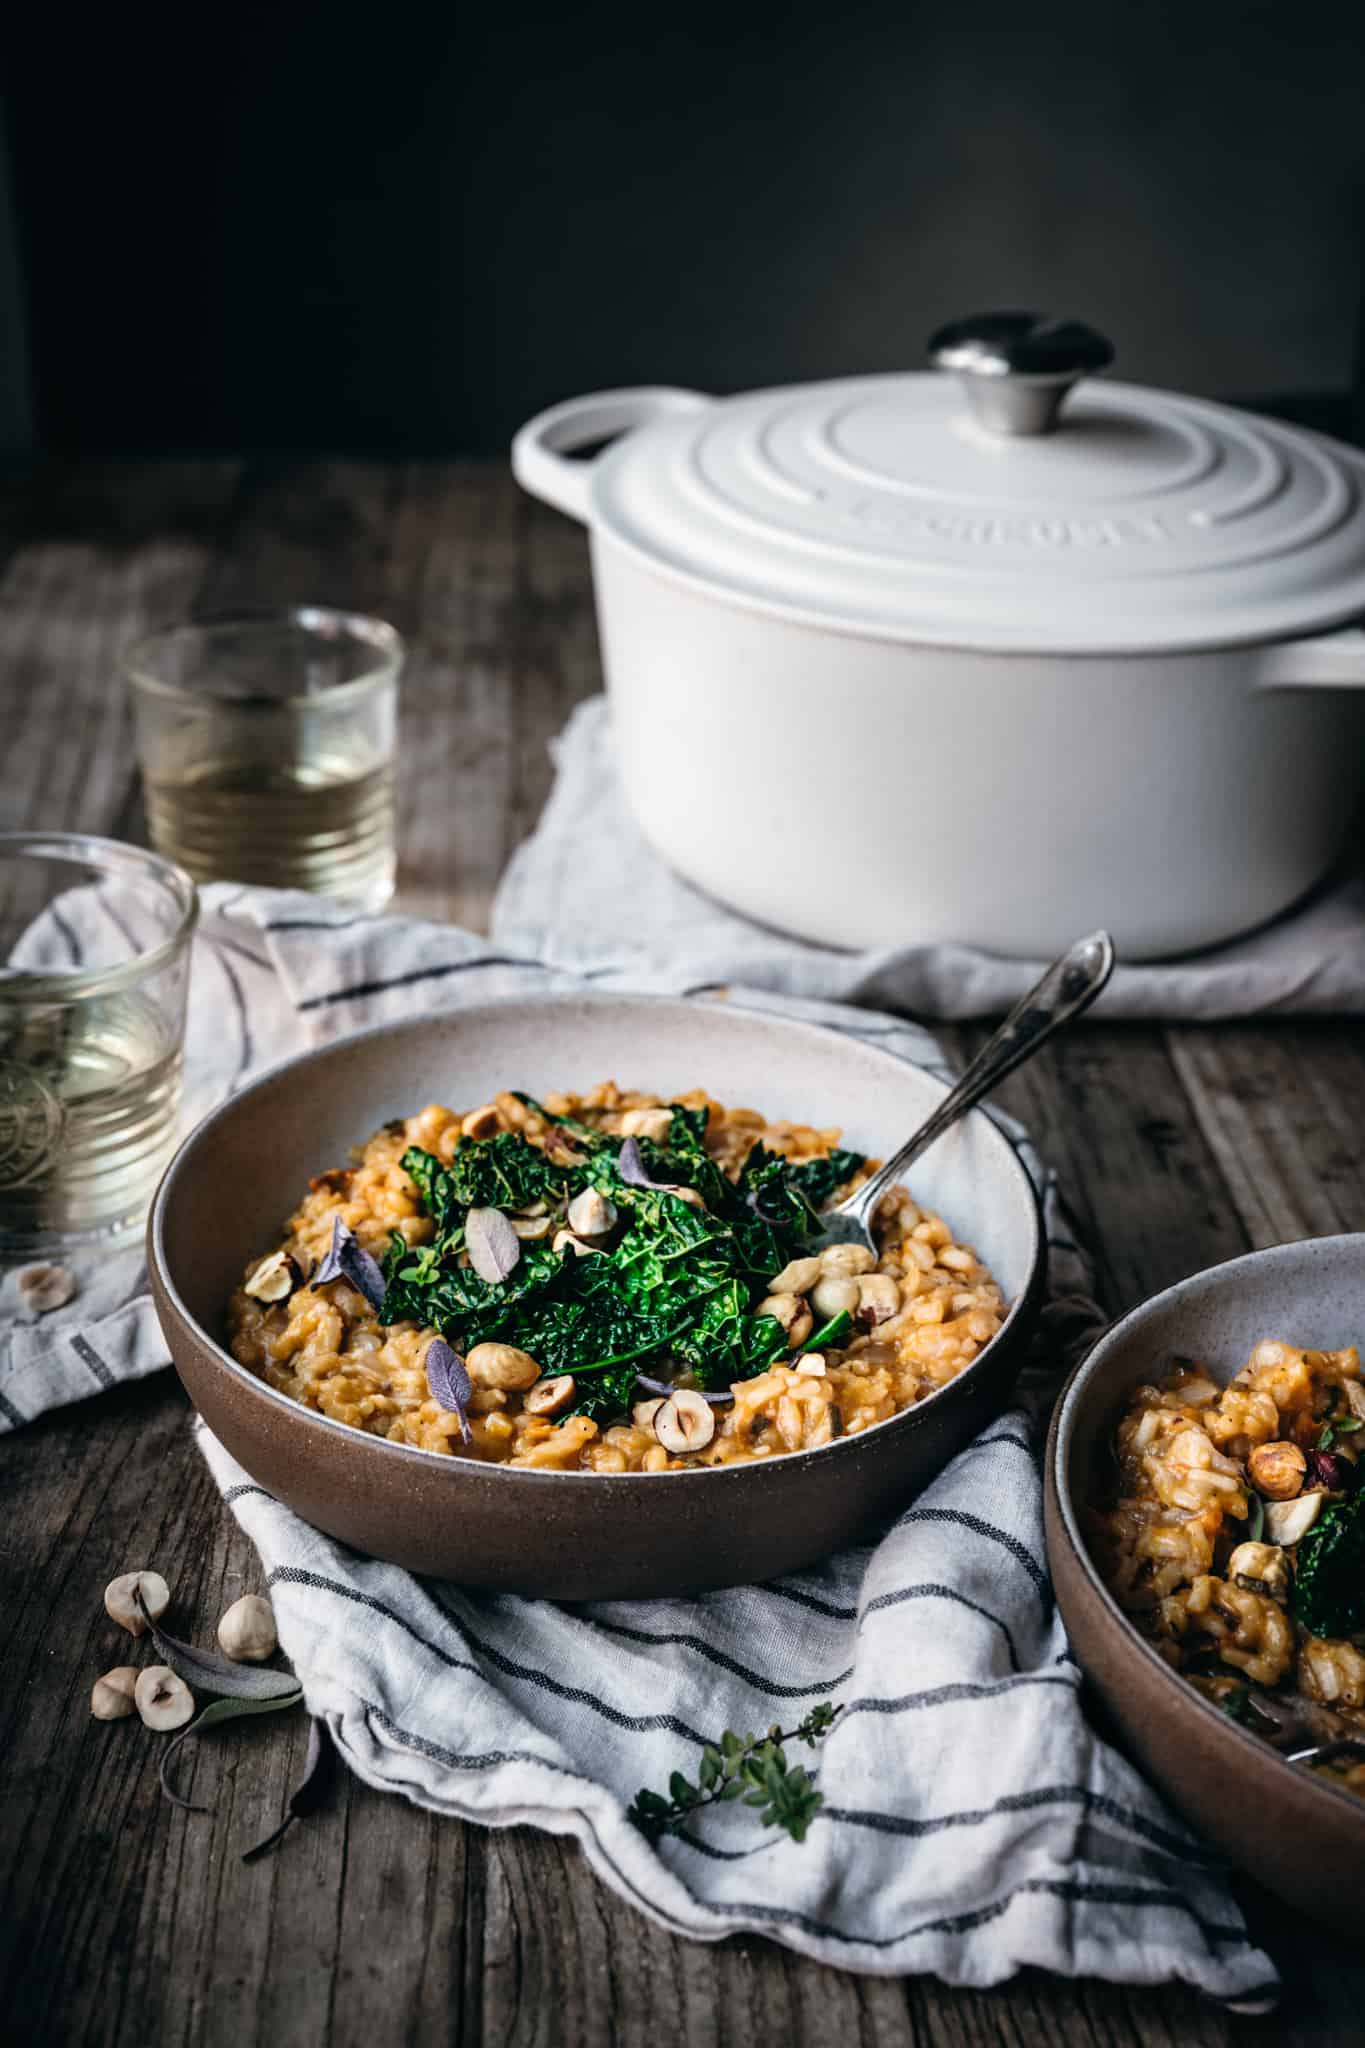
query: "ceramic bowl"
1297, 1833
570, 1535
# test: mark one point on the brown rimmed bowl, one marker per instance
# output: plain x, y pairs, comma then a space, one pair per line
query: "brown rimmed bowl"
573, 1535
1294, 1831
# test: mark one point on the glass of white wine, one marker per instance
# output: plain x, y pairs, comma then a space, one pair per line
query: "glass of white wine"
94, 967
267, 744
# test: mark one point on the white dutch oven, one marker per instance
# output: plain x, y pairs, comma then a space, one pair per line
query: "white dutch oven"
912, 658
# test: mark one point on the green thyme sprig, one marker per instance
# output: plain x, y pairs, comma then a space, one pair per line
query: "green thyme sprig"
753, 1768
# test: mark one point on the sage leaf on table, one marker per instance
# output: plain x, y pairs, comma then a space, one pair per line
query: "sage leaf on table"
308, 1795
209, 1672
218, 1710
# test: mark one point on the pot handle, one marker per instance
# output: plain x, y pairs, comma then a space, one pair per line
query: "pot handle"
1328, 661
539, 449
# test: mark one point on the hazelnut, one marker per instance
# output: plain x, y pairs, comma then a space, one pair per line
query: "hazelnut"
121, 1600
547, 1397
1260, 1568
565, 1241
847, 1258
835, 1294
1354, 1391
43, 1288
111, 1697
246, 1632
789, 1310
591, 1214
1277, 1470
879, 1298
644, 1412
693, 1199
528, 1228
684, 1422
501, 1365
558, 1148
811, 1364
1287, 1521
274, 1279
482, 1123
797, 1278
163, 1700
647, 1123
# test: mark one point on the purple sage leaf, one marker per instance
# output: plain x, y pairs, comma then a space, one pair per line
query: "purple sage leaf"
347, 1259
1330, 1469
209, 1672
493, 1246
449, 1384
332, 1267
308, 1795
218, 1710
631, 1167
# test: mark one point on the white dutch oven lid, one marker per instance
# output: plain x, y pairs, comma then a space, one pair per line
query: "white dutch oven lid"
982, 509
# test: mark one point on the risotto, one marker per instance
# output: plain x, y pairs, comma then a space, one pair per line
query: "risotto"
606, 1282
1232, 1533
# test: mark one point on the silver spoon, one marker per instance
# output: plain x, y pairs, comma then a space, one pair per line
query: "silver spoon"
1070, 986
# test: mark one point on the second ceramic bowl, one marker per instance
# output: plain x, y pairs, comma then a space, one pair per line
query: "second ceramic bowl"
1300, 1835
573, 1535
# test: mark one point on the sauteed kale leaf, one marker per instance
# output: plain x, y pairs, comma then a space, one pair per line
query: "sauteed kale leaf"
820, 1180
1329, 1571
606, 1395
502, 1173
673, 1286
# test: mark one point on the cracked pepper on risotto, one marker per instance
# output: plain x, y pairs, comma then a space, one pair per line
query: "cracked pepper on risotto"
606, 1283
1232, 1533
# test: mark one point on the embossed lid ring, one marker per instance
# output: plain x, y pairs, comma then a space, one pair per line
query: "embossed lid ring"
1124, 520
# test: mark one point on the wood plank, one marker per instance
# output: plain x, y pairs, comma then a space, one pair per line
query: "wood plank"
112, 553
1280, 1108
1111, 1116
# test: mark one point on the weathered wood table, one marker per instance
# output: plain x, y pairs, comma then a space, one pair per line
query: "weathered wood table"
124, 1921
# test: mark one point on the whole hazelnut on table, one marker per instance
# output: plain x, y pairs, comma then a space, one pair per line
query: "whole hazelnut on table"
246, 1632
121, 1600
111, 1697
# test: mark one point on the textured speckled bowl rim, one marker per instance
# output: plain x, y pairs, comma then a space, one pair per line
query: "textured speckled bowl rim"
1021, 1309
1184, 1697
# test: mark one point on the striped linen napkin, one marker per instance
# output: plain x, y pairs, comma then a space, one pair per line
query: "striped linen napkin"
972, 1823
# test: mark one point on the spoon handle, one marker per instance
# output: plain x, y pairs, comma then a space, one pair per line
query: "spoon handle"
1070, 985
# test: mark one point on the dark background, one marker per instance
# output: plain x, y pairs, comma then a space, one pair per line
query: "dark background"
399, 227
